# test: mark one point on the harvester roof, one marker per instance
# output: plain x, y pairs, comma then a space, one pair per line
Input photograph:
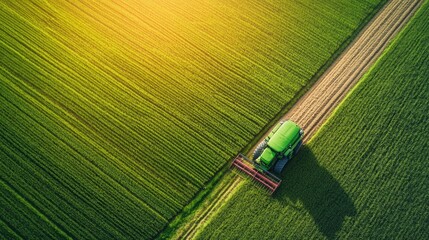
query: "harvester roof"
285, 135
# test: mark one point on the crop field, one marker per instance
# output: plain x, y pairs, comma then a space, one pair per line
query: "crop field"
365, 173
113, 115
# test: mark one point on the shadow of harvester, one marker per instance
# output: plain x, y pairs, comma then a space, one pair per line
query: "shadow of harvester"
306, 181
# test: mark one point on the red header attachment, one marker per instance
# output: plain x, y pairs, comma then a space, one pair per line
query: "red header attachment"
267, 179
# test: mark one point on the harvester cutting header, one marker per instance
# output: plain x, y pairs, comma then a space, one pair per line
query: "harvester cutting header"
271, 155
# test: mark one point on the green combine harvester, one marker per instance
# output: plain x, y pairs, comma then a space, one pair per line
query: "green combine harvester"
272, 154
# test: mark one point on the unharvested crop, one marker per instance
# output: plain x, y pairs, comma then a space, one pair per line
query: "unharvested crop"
114, 114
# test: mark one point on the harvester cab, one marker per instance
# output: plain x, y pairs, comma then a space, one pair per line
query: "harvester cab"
271, 155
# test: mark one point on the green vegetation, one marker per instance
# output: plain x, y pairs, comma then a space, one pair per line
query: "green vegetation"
113, 115
365, 174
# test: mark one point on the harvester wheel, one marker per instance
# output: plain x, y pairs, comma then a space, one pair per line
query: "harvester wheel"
278, 168
259, 149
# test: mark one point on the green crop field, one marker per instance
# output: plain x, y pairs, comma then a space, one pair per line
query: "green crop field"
114, 114
365, 173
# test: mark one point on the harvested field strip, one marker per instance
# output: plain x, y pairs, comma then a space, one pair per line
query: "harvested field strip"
314, 108
210, 211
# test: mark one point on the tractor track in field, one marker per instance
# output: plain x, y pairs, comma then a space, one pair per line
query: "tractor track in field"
202, 217
312, 110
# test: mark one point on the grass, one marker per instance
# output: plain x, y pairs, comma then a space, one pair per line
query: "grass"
114, 115
364, 174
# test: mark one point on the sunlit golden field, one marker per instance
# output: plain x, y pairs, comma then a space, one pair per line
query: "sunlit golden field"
114, 114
